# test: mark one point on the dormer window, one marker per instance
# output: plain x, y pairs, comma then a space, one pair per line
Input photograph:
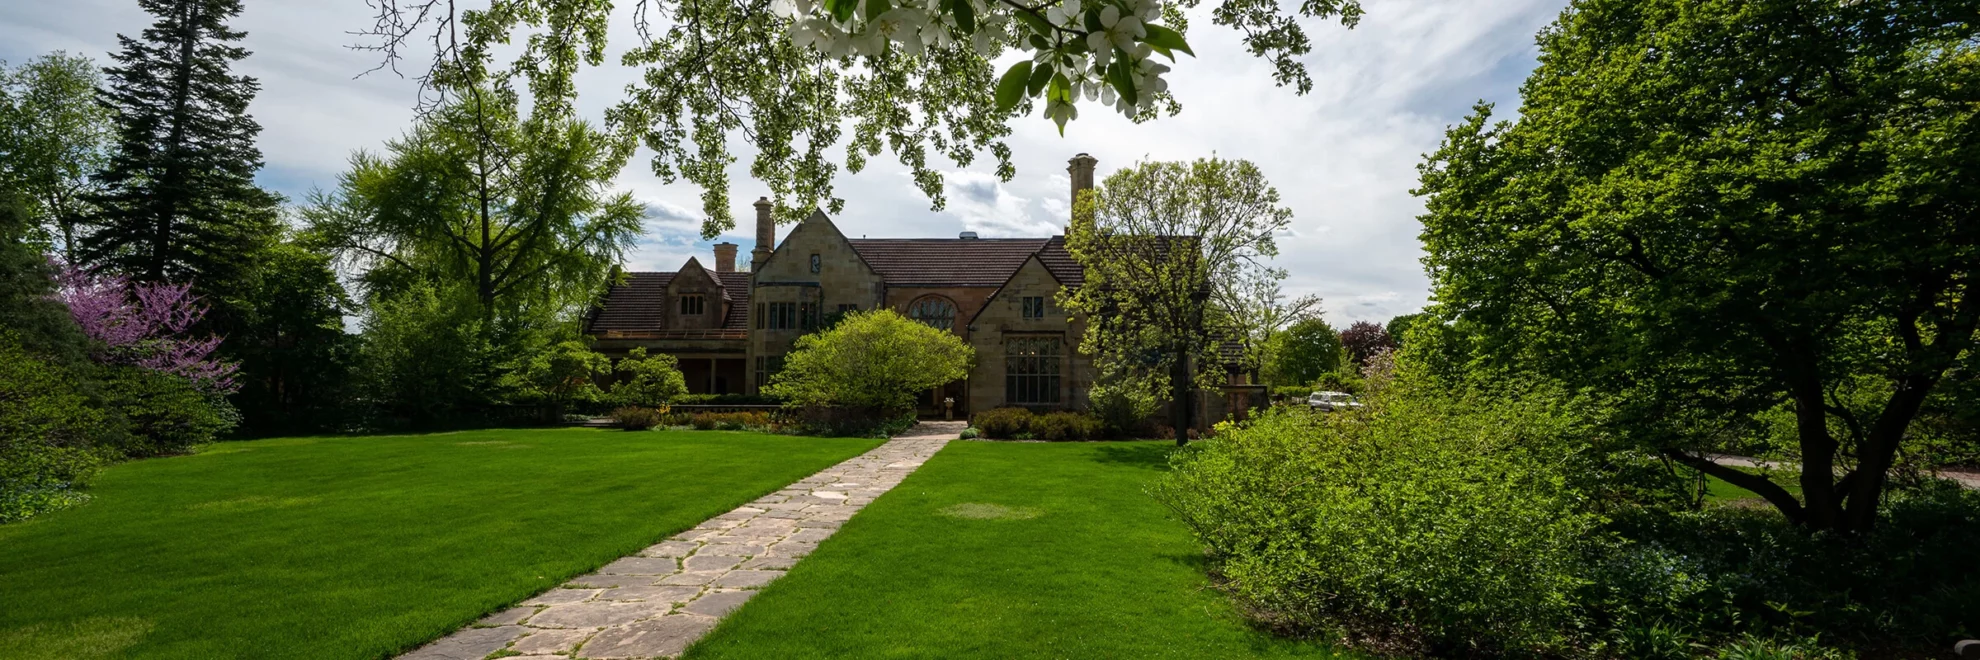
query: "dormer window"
693, 305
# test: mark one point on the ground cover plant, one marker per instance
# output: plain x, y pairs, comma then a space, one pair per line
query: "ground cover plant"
957, 561
360, 547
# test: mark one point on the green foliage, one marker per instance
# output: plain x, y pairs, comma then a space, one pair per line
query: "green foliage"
296, 360
1003, 423
166, 414
54, 136
514, 209
1157, 241
877, 360
53, 438
178, 201
794, 86
648, 380
731, 421
1447, 522
1066, 426
563, 374
1124, 403
423, 357
970, 433
1712, 209
1303, 353
633, 418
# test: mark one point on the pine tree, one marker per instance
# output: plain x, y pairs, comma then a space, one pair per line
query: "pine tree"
179, 202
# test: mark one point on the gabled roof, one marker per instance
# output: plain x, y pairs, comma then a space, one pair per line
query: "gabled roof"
987, 262
640, 303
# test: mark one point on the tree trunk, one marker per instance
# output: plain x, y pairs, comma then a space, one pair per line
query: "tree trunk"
1179, 412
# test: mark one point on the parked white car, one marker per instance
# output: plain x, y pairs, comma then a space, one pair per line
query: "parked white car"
1331, 401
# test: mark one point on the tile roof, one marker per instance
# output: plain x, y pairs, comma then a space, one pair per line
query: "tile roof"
639, 303
946, 261
1060, 262
735, 287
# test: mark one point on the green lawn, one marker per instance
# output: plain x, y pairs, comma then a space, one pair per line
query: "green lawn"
359, 547
1004, 550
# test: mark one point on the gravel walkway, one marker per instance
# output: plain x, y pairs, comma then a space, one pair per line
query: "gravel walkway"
656, 603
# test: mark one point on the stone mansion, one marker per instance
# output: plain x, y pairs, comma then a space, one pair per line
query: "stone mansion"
730, 329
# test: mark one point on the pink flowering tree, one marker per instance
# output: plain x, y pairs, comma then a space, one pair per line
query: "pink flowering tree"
146, 325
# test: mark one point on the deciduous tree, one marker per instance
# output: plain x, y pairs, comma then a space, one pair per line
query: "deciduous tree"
1305, 352
515, 210
1719, 209
54, 137
1157, 242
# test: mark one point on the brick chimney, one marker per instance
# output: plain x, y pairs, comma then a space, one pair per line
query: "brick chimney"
725, 257
766, 235
1081, 169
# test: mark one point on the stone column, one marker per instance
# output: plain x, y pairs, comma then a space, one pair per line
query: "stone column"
725, 257
1081, 169
766, 235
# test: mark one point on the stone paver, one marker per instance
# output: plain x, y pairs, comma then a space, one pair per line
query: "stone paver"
663, 598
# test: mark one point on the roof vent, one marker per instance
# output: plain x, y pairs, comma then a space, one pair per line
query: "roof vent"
967, 236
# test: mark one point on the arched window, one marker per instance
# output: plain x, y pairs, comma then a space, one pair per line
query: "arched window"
935, 311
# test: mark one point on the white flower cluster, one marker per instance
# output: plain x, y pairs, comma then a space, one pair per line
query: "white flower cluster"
917, 25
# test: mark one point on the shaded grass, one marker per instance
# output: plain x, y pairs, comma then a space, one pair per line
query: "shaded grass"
1719, 490
364, 546
1005, 550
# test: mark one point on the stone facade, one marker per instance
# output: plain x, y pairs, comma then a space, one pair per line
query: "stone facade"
731, 330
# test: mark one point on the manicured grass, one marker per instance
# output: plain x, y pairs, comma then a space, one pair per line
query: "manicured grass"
1005, 550
360, 547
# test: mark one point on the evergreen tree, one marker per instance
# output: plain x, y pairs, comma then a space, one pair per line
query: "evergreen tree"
179, 201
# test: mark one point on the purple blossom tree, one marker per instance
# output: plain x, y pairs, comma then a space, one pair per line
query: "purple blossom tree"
146, 325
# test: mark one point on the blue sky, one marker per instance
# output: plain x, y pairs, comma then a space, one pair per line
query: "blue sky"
1343, 157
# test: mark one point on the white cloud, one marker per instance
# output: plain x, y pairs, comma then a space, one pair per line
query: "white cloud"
1343, 157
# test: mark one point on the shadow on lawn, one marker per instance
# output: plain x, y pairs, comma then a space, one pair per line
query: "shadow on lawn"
1142, 455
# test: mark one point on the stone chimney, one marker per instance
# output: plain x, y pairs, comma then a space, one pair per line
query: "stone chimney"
1081, 169
725, 257
766, 235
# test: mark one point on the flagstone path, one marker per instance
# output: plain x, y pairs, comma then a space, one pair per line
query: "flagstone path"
656, 603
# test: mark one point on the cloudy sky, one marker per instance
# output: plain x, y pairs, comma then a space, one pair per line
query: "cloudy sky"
1343, 157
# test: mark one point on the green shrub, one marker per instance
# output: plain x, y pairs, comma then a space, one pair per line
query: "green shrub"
970, 433
1065, 426
53, 439
1003, 423
634, 418
731, 421
726, 400
835, 421
1125, 406
166, 415
648, 381
1441, 522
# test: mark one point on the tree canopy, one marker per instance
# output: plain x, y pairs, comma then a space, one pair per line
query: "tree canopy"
54, 137
875, 360
794, 76
515, 210
1303, 353
1158, 240
1716, 210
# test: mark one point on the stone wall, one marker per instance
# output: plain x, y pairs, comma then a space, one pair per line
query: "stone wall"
842, 279
1002, 317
